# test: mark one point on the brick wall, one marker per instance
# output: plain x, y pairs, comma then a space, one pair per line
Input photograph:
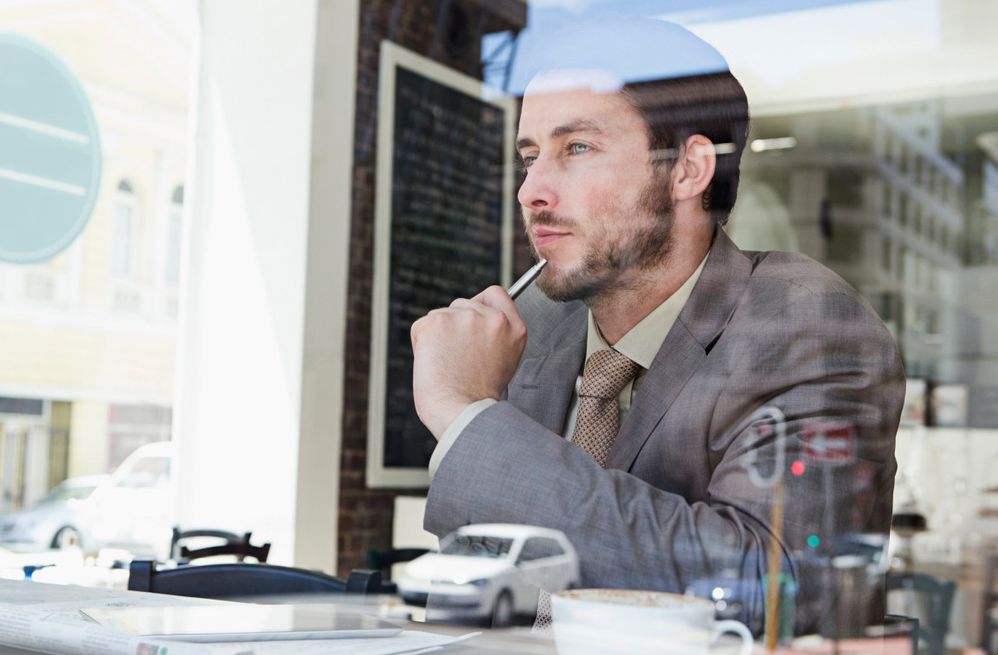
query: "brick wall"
432, 28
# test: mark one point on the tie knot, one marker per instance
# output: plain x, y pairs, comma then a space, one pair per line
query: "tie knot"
606, 374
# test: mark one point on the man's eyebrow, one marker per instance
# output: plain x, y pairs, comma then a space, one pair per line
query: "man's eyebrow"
580, 125
573, 127
524, 142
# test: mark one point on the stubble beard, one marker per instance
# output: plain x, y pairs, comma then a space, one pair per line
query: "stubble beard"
606, 266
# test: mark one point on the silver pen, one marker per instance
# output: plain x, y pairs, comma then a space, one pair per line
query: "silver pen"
525, 280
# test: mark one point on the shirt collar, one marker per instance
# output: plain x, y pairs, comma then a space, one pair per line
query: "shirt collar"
643, 341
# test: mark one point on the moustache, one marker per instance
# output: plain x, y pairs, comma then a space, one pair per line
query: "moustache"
548, 219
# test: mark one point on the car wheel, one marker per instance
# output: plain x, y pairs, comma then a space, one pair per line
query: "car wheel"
67, 537
502, 610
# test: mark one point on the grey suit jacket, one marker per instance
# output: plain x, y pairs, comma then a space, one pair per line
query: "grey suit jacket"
678, 501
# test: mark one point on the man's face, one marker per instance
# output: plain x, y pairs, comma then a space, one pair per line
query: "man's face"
593, 203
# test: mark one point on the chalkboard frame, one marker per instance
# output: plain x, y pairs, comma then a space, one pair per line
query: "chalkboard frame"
393, 57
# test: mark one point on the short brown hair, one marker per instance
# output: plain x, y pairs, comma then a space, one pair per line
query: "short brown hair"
713, 105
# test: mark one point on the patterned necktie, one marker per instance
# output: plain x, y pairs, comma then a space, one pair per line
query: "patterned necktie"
606, 374
597, 421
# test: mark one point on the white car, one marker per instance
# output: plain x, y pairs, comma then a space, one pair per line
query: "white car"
490, 571
131, 509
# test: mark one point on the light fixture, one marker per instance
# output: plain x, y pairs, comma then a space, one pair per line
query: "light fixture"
779, 143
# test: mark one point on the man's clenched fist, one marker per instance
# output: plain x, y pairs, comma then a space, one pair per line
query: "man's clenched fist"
463, 353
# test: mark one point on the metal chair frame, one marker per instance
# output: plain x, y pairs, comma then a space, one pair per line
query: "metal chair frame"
233, 544
940, 596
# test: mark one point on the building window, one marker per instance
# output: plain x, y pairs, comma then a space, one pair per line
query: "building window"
847, 244
173, 234
123, 245
845, 188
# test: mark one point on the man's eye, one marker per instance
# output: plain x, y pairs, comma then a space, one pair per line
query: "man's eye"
527, 161
578, 148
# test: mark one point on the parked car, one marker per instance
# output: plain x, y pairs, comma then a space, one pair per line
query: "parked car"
51, 522
131, 508
490, 572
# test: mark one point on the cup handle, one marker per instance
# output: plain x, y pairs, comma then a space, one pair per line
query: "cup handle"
720, 627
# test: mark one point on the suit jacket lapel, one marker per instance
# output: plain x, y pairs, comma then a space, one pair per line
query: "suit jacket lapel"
543, 385
698, 326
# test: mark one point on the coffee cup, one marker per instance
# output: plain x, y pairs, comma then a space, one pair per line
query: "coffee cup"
608, 621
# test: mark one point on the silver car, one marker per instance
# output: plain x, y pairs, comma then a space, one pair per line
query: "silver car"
131, 509
54, 522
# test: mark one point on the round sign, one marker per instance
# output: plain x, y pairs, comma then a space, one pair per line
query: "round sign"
50, 157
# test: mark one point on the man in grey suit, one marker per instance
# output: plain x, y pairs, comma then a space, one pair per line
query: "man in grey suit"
746, 372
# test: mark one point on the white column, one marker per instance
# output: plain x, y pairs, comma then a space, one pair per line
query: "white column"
328, 251
259, 401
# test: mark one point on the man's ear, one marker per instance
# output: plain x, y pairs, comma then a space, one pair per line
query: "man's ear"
694, 169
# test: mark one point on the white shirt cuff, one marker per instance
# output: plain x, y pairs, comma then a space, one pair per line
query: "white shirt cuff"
450, 435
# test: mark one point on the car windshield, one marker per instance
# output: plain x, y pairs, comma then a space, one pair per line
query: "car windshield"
476, 545
63, 493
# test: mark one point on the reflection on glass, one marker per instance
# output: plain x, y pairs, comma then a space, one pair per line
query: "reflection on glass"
475, 546
86, 366
889, 180
69, 491
874, 152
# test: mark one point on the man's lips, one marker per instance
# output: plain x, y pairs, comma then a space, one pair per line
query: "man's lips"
545, 237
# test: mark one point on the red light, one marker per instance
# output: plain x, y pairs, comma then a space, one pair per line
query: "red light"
797, 468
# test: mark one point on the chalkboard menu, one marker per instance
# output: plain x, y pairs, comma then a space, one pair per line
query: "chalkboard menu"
443, 231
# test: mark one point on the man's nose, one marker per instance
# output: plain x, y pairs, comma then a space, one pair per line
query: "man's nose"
538, 188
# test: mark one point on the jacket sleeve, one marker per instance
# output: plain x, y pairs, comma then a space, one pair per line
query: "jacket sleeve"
507, 468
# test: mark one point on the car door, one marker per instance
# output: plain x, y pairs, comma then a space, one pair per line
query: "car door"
551, 564
538, 563
561, 562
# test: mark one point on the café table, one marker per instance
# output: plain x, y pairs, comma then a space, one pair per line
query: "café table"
488, 641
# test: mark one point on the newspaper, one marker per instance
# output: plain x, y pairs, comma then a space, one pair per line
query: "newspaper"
46, 618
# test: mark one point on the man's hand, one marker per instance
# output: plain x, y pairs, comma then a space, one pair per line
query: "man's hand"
466, 352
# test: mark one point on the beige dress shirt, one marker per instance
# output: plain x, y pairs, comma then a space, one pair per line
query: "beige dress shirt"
641, 343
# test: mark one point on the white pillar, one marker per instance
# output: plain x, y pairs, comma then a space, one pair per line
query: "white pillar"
260, 354
328, 252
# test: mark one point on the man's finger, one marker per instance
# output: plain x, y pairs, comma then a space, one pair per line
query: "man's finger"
464, 303
498, 298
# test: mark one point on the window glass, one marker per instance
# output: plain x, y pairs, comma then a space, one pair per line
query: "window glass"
808, 418
66, 492
89, 331
123, 252
540, 548
476, 546
173, 237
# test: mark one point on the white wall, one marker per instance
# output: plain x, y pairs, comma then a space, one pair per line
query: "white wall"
257, 348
